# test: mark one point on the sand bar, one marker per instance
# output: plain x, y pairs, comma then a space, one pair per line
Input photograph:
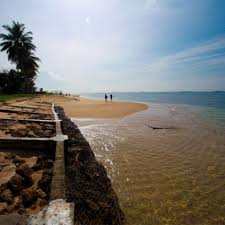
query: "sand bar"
88, 108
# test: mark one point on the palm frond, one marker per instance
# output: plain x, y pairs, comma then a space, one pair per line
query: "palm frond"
5, 37
28, 33
8, 28
5, 45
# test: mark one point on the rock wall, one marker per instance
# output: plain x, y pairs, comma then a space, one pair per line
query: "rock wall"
86, 180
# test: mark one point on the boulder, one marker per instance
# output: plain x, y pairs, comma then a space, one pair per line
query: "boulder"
37, 131
45, 181
28, 182
36, 177
41, 194
6, 196
10, 156
48, 133
25, 171
31, 161
46, 164
43, 163
16, 184
49, 127
29, 196
6, 175
18, 160
31, 134
20, 132
17, 205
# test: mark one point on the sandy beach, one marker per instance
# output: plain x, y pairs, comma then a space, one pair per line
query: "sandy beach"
88, 108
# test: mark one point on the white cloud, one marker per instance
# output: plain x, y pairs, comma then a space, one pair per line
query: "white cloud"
205, 54
55, 76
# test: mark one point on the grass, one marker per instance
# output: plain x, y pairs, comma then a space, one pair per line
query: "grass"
5, 98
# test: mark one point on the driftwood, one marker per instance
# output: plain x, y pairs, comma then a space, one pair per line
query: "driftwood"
156, 128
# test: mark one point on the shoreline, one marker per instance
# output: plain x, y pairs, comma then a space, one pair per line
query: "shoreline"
79, 107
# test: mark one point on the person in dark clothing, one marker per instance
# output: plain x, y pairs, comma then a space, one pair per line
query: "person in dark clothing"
106, 98
111, 97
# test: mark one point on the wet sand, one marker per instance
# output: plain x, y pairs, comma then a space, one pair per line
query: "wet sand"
87, 108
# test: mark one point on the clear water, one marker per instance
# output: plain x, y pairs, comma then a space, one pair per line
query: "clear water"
172, 176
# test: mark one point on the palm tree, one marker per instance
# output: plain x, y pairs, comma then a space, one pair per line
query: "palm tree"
20, 49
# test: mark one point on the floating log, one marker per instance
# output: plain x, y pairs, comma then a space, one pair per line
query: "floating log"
157, 128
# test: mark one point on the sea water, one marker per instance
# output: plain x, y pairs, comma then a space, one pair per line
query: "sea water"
165, 176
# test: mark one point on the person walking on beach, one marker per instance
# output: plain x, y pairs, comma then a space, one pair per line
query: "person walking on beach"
106, 98
111, 97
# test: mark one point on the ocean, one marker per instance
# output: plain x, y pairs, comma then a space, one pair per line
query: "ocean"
165, 176
214, 99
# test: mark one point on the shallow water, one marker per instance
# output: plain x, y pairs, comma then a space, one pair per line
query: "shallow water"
166, 176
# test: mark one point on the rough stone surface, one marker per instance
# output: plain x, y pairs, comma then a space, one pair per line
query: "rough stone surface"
9, 155
43, 163
7, 173
18, 160
6, 196
41, 194
45, 182
25, 171
20, 132
58, 212
20, 128
16, 206
31, 134
3, 208
42, 202
16, 183
29, 196
19, 190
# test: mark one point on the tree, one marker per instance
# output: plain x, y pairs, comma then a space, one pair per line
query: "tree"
18, 45
11, 82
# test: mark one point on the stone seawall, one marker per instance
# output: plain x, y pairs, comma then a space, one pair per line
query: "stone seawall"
86, 181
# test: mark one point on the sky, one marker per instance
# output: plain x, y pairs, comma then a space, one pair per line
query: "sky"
128, 45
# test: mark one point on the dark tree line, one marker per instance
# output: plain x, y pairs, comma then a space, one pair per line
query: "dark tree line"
21, 51
12, 82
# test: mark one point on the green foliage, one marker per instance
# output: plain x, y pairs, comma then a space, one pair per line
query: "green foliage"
5, 98
14, 82
18, 45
